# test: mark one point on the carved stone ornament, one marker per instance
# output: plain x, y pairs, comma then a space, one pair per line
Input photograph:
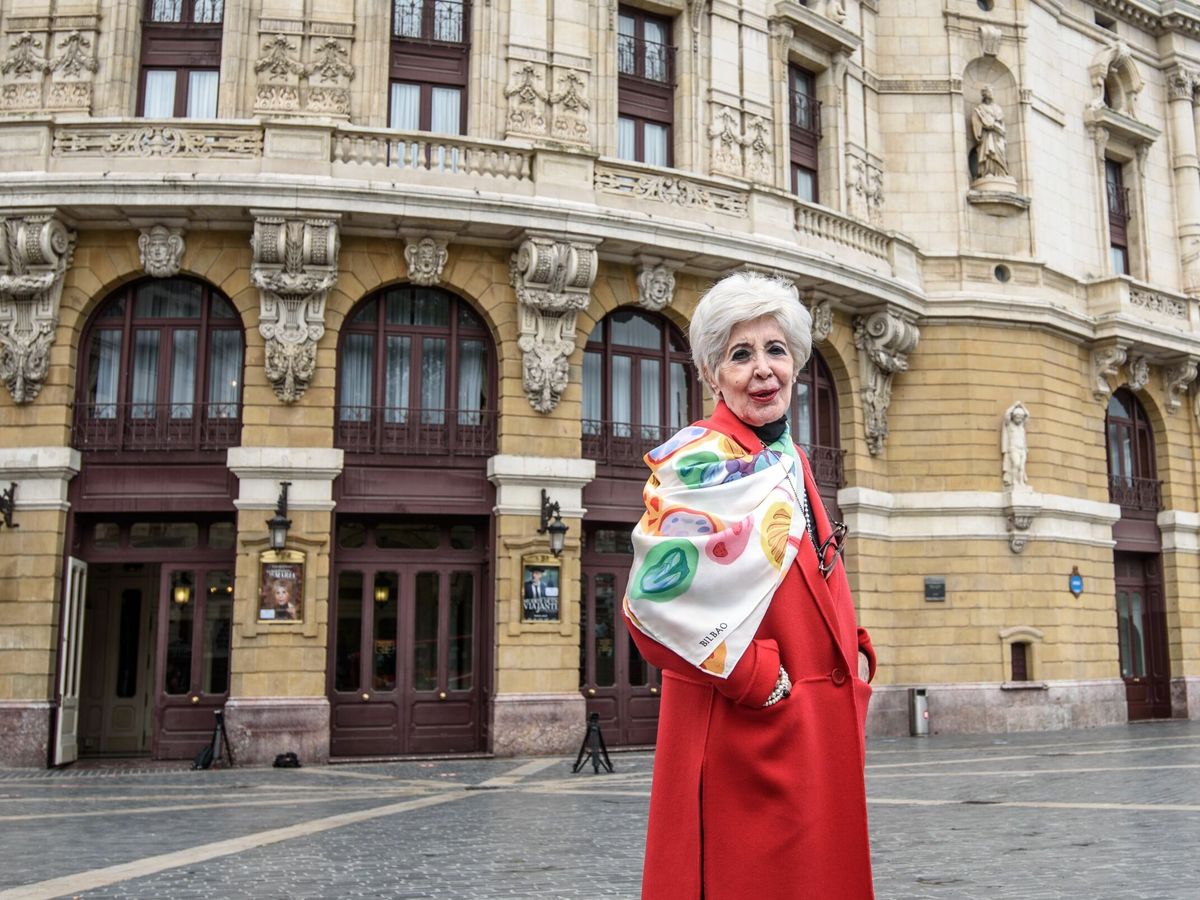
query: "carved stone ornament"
884, 340
1106, 363
426, 258
161, 250
1021, 507
553, 280
822, 319
656, 283
1176, 378
1139, 374
570, 108
526, 101
760, 164
295, 265
25, 58
726, 143
1114, 72
989, 40
34, 256
1181, 83
279, 69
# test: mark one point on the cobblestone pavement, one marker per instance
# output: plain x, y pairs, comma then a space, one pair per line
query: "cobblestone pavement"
1106, 813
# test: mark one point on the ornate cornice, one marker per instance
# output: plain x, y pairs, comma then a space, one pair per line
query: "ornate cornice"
884, 340
553, 279
295, 265
35, 250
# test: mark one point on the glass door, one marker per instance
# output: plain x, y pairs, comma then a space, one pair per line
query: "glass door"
192, 678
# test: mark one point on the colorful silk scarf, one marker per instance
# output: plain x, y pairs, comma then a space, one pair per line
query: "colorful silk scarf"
720, 531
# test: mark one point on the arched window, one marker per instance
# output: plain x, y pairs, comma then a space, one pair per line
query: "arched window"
814, 420
1132, 480
416, 375
639, 386
161, 370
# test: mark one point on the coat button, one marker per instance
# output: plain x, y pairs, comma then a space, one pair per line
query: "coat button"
838, 676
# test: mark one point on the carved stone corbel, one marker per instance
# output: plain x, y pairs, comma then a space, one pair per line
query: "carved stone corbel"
1106, 364
425, 257
1138, 374
34, 255
1176, 378
884, 340
1021, 507
822, 318
161, 249
295, 265
553, 280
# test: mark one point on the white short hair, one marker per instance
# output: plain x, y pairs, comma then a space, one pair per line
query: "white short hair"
743, 297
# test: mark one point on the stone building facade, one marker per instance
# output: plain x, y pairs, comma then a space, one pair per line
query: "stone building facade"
413, 279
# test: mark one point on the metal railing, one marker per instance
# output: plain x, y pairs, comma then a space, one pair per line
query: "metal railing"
406, 431
1135, 493
428, 20
1118, 203
806, 114
156, 426
648, 60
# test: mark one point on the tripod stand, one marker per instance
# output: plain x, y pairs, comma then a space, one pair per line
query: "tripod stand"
212, 750
593, 748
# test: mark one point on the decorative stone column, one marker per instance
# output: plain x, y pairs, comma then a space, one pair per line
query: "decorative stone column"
34, 255
884, 340
1181, 84
295, 265
553, 280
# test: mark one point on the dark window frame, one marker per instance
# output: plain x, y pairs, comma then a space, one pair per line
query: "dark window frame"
1139, 487
804, 128
181, 47
1119, 215
352, 434
428, 62
125, 431
641, 99
599, 438
1019, 656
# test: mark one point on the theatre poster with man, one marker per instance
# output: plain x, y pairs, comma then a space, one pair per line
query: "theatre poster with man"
540, 589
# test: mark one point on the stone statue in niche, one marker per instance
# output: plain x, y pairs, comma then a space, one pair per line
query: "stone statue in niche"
991, 143
1013, 447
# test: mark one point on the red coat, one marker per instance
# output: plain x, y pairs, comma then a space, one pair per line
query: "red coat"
766, 804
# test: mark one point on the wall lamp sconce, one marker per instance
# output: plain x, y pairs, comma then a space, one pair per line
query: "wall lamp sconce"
279, 523
557, 528
8, 502
182, 594
382, 593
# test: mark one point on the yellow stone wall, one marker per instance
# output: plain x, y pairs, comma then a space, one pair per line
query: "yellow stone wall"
30, 586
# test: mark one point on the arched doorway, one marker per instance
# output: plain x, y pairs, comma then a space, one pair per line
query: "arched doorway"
152, 538
639, 387
1137, 565
410, 645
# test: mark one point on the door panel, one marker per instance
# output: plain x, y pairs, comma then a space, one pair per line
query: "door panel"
196, 609
618, 684
1142, 635
406, 659
66, 738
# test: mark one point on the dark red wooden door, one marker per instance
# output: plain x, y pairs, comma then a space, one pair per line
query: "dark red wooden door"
195, 621
617, 682
406, 651
1142, 635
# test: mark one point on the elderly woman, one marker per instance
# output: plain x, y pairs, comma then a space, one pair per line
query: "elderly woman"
738, 594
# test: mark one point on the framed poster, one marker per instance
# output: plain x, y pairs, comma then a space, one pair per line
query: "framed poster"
281, 586
540, 589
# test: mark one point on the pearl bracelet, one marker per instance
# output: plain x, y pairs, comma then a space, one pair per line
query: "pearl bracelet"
783, 688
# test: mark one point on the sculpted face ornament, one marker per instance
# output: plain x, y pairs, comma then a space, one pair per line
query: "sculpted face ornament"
656, 287
426, 259
161, 250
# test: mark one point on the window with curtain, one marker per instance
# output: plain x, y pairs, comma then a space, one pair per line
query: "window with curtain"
1129, 438
638, 386
804, 131
813, 418
162, 369
429, 66
181, 58
414, 368
645, 87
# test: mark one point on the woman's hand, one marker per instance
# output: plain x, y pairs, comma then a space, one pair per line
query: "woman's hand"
864, 666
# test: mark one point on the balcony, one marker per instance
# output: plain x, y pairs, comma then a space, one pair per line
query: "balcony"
156, 426
645, 60
439, 21
806, 115
1135, 493
450, 434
